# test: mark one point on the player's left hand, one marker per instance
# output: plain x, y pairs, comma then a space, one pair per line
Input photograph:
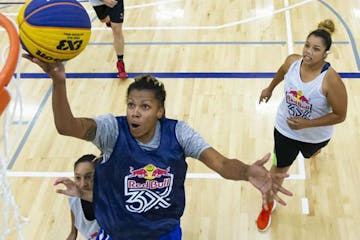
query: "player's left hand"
297, 123
72, 190
264, 181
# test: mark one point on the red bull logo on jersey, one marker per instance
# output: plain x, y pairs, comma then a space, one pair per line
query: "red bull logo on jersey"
148, 187
149, 172
298, 104
93, 236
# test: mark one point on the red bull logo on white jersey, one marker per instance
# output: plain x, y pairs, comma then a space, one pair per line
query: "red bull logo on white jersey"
298, 104
93, 236
148, 188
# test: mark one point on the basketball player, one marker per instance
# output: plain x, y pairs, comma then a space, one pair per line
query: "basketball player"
315, 99
82, 211
111, 12
139, 185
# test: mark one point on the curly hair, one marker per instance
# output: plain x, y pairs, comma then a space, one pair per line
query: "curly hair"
148, 82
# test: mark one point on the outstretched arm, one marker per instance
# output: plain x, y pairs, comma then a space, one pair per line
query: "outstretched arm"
266, 93
255, 173
72, 190
65, 122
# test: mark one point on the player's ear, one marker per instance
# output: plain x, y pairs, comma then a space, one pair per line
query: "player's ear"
161, 112
326, 53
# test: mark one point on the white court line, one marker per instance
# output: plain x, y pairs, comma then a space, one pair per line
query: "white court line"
145, 5
300, 157
151, 4
231, 24
288, 29
300, 175
126, 7
305, 206
301, 168
71, 174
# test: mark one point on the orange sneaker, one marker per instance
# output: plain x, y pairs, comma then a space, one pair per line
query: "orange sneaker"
121, 69
264, 219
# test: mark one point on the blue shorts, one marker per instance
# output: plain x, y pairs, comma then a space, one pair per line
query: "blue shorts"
175, 234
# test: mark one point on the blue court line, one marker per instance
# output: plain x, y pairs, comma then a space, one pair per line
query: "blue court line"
352, 40
29, 128
19, 123
178, 75
334, 42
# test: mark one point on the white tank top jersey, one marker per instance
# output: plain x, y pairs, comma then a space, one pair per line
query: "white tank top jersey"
304, 99
96, 2
88, 229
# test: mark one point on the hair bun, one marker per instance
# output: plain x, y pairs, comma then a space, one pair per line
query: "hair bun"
327, 25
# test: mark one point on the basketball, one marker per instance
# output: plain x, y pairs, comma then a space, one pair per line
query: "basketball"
53, 30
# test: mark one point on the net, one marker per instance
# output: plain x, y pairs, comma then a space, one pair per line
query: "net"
11, 222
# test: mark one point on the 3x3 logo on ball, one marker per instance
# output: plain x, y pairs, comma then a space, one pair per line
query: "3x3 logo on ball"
69, 45
65, 45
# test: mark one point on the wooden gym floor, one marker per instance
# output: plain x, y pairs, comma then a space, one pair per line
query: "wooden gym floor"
214, 57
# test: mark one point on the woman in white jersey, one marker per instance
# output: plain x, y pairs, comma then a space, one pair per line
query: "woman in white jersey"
315, 99
82, 212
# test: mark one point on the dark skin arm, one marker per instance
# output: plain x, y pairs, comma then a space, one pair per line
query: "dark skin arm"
266, 93
73, 233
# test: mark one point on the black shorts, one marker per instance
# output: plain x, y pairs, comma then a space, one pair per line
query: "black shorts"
287, 149
116, 13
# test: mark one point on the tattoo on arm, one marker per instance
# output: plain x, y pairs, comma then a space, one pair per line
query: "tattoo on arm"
90, 133
90, 129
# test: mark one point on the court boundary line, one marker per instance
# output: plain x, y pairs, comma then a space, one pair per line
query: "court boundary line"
290, 41
225, 25
199, 43
174, 75
29, 128
39, 174
348, 31
213, 27
287, 8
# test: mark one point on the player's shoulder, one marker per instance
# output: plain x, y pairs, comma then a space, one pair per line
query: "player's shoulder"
290, 60
293, 57
332, 76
